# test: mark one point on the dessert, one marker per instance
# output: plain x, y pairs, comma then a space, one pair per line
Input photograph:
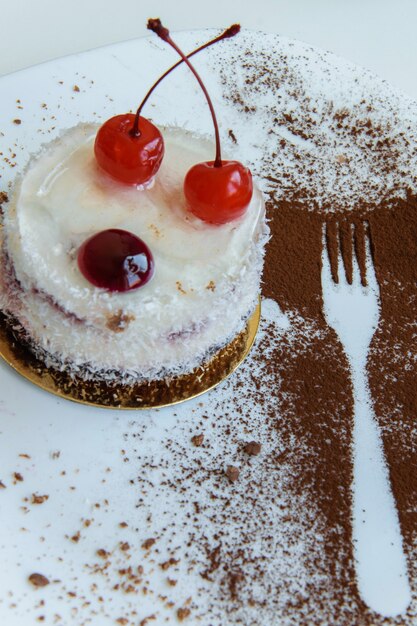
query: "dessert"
109, 276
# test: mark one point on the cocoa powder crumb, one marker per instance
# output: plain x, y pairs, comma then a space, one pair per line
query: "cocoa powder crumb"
38, 499
183, 613
17, 121
180, 288
2, 485
171, 582
76, 88
38, 580
18, 477
148, 543
341, 158
232, 136
103, 554
124, 545
170, 563
232, 473
197, 440
119, 321
252, 448
3, 197
123, 525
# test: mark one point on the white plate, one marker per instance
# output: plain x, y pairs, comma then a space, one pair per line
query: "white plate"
37, 538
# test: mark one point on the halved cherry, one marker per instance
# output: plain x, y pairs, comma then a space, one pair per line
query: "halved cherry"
116, 260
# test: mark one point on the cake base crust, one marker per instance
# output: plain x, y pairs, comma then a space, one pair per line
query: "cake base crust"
156, 394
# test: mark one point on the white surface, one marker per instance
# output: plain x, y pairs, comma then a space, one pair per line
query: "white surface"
353, 311
89, 440
378, 34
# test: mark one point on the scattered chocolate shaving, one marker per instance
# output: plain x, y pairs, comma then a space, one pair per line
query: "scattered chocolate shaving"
180, 288
197, 440
119, 321
232, 136
17, 121
252, 448
232, 473
148, 543
170, 563
76, 88
183, 613
38, 499
103, 554
38, 580
18, 477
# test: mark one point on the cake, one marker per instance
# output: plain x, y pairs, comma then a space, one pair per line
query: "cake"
131, 258
206, 279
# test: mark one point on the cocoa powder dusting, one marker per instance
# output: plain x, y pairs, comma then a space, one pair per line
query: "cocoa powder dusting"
311, 383
393, 357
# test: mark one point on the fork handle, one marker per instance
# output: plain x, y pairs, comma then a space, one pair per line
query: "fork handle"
381, 565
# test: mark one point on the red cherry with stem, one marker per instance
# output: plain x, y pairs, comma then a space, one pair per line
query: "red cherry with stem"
216, 191
126, 157
218, 194
128, 147
116, 260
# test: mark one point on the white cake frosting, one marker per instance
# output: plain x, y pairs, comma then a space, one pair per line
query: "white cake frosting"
206, 279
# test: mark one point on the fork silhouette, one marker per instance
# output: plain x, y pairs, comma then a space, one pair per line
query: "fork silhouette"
351, 308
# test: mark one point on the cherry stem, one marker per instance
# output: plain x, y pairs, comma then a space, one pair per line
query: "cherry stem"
156, 26
229, 32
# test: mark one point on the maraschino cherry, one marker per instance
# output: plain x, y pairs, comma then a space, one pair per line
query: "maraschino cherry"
216, 191
128, 147
116, 260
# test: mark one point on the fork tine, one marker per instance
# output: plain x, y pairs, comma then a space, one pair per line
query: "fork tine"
332, 246
360, 249
346, 249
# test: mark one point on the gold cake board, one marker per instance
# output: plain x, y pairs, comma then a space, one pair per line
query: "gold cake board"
156, 394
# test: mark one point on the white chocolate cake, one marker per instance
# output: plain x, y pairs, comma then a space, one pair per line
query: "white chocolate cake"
206, 280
